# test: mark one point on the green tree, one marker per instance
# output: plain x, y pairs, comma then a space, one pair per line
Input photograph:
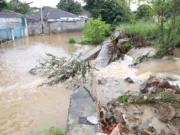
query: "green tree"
3, 5
168, 24
144, 11
111, 11
96, 30
19, 7
70, 6
89, 4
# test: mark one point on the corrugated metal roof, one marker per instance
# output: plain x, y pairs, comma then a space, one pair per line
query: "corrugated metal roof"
50, 13
9, 14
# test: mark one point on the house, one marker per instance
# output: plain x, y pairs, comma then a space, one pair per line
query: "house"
13, 25
54, 21
10, 19
35, 9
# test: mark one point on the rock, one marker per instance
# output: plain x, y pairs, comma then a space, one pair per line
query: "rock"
170, 51
111, 106
175, 126
162, 132
121, 42
165, 111
164, 84
159, 90
155, 90
170, 91
146, 132
152, 90
119, 117
177, 90
152, 129
102, 81
143, 87
128, 80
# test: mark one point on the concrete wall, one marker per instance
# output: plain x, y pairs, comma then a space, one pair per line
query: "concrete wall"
10, 22
58, 27
35, 28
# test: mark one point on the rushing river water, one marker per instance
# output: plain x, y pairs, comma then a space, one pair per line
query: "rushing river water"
24, 108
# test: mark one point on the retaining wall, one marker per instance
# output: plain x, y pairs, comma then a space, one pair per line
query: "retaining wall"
35, 28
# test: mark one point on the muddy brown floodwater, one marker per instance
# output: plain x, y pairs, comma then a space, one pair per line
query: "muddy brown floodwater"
24, 108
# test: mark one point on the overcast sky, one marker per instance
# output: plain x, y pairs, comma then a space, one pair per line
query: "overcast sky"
51, 3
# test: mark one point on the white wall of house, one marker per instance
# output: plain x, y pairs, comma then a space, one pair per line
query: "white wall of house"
10, 22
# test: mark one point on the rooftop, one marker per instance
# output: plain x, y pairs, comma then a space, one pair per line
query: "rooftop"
9, 14
50, 13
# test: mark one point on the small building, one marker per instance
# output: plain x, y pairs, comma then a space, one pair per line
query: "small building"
35, 9
10, 19
12, 25
54, 21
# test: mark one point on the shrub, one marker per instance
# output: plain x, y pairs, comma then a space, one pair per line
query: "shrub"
144, 11
95, 31
72, 40
53, 131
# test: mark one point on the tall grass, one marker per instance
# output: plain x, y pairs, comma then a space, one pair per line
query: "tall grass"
146, 29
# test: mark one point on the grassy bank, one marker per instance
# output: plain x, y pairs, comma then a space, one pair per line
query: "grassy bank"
147, 29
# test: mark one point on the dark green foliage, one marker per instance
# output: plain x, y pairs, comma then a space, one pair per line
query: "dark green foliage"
19, 7
3, 5
111, 11
53, 131
144, 11
95, 31
89, 4
72, 40
70, 6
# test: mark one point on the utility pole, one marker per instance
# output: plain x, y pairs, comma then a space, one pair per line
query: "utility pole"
42, 18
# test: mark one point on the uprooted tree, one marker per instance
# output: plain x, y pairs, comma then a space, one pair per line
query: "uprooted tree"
60, 69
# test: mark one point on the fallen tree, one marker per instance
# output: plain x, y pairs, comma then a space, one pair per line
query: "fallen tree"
60, 69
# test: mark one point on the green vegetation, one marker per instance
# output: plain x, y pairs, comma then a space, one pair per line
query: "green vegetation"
111, 11
177, 110
169, 97
141, 27
20, 7
53, 131
144, 11
70, 6
148, 98
72, 40
123, 99
95, 31
168, 33
3, 5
